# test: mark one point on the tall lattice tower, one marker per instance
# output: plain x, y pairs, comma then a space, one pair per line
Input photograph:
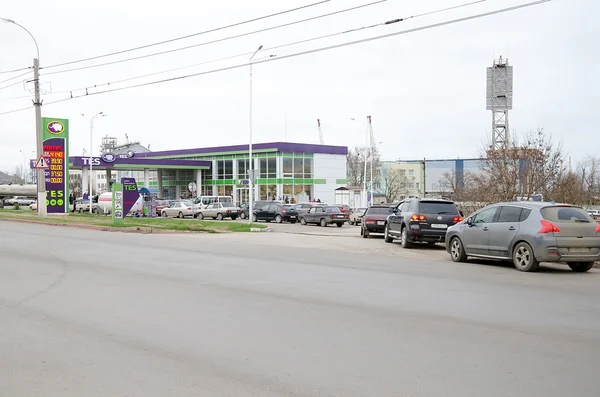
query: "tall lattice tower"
499, 98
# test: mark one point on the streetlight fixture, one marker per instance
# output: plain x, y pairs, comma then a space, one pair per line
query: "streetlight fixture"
365, 171
251, 171
37, 103
101, 114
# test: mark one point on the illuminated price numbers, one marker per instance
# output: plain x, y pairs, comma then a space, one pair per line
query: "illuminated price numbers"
56, 173
56, 180
54, 167
59, 155
57, 161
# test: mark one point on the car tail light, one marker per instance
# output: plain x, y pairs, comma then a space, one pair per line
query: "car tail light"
548, 227
418, 218
189, 209
228, 211
373, 221
457, 219
284, 211
597, 227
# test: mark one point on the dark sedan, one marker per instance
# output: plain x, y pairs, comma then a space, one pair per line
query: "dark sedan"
324, 215
374, 219
276, 212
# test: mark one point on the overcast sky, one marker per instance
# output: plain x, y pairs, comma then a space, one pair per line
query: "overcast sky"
425, 91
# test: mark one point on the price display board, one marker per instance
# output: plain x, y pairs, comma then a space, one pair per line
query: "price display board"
117, 201
56, 152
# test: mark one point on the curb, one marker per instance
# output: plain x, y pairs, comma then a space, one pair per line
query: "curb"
259, 230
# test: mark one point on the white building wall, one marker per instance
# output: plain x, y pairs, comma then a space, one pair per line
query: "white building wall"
329, 168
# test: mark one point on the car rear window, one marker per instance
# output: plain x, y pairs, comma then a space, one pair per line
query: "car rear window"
225, 204
378, 211
564, 214
333, 210
436, 207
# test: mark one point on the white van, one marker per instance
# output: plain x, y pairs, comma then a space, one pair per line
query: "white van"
202, 202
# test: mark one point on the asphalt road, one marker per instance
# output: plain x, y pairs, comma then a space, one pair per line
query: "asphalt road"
86, 313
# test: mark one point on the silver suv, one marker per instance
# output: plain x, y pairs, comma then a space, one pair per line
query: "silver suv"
528, 233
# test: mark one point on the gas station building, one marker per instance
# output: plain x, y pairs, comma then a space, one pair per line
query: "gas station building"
283, 170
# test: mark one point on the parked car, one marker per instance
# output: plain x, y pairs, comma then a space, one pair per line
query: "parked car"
528, 232
276, 212
324, 215
256, 204
20, 200
161, 204
303, 208
345, 208
82, 205
595, 214
356, 216
375, 219
421, 220
219, 211
179, 209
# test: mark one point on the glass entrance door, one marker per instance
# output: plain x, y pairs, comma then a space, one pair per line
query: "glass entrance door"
242, 195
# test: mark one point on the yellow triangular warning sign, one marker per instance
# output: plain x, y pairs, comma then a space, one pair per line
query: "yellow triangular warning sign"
41, 163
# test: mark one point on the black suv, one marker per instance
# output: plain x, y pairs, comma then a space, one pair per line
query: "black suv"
421, 219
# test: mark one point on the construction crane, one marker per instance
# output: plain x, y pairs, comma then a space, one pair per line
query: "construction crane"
321, 141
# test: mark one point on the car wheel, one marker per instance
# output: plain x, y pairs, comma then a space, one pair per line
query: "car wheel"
164, 214
195, 216
350, 222
364, 232
278, 218
386, 235
457, 251
524, 259
404, 242
243, 215
581, 267
233, 218
180, 215
303, 221
254, 218
220, 217
323, 222
340, 224
200, 215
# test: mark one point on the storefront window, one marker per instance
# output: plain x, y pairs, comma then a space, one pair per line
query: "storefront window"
272, 192
262, 163
272, 167
287, 190
288, 167
298, 167
224, 169
308, 169
263, 192
242, 169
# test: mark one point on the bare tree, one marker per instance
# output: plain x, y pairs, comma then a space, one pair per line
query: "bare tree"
355, 165
589, 172
531, 165
19, 174
393, 184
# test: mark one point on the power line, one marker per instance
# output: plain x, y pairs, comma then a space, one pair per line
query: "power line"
16, 110
277, 47
218, 40
321, 49
190, 35
16, 77
14, 70
11, 85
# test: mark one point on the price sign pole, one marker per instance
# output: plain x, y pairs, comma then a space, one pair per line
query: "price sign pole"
117, 207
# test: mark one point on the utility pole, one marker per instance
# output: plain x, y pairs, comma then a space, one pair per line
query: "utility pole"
41, 172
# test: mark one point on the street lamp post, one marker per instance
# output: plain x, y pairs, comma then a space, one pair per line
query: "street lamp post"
101, 114
37, 103
251, 160
251, 173
365, 170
